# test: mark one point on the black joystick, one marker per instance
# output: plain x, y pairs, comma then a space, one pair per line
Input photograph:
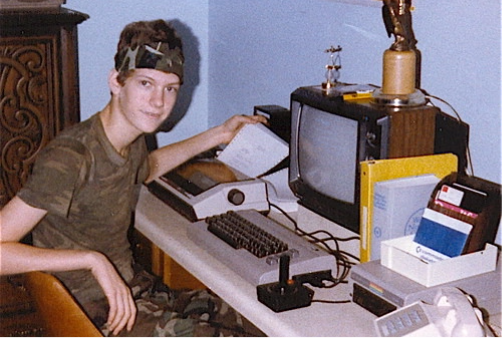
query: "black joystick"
286, 294
283, 286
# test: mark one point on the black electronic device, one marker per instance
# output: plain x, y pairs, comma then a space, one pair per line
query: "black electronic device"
330, 136
286, 294
279, 119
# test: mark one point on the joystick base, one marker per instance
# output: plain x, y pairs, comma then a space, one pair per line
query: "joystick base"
280, 297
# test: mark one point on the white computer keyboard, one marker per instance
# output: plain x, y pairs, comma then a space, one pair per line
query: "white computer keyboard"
305, 257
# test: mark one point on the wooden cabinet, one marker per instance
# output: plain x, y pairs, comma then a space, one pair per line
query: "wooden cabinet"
39, 97
39, 87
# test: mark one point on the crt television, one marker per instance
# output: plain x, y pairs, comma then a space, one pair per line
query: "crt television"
330, 137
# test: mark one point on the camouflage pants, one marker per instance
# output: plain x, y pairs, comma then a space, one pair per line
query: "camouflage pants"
173, 313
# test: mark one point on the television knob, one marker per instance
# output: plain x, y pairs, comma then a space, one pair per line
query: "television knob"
236, 197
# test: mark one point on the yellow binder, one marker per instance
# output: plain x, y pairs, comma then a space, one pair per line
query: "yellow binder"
380, 170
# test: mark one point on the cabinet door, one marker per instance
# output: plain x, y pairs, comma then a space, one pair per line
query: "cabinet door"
28, 103
38, 88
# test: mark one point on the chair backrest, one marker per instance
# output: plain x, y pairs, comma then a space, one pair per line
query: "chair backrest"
60, 313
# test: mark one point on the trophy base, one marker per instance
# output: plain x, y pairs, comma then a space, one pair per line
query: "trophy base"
417, 98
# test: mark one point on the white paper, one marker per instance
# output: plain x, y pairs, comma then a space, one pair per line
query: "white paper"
254, 150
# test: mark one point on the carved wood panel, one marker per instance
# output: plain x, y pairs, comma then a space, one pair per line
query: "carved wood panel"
27, 94
38, 88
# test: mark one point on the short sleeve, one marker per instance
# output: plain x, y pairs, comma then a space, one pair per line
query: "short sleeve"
58, 171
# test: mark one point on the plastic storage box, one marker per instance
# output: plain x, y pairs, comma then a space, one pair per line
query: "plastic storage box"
398, 255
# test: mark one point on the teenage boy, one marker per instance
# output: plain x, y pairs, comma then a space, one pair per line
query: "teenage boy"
79, 200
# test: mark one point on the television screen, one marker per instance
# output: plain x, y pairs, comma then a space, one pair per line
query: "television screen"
328, 140
327, 151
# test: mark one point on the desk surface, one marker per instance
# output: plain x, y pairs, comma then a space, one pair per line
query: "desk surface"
167, 229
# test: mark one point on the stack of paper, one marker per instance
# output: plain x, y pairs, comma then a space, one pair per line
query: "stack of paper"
254, 150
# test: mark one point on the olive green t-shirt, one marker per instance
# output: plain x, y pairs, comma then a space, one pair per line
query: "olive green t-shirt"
89, 191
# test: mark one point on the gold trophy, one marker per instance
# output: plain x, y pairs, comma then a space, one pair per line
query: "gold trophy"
401, 62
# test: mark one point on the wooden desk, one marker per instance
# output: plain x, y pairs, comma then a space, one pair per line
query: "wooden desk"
166, 229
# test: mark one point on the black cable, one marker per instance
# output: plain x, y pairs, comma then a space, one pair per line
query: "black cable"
331, 301
284, 213
342, 258
457, 115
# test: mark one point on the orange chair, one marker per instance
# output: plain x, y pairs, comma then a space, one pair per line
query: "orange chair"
60, 313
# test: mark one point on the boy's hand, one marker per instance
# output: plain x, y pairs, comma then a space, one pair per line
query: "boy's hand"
123, 310
235, 123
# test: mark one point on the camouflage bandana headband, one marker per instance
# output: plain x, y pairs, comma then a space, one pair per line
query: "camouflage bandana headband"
170, 60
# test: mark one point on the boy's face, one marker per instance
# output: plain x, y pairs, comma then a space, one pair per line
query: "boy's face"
147, 98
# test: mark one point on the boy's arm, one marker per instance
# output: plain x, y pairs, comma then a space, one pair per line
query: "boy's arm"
18, 218
169, 157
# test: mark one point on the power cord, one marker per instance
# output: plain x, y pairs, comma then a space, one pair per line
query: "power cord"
457, 115
343, 259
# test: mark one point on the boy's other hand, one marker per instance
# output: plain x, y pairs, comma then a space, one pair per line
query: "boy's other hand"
123, 310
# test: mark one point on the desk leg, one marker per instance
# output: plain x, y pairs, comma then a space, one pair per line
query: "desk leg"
156, 261
173, 274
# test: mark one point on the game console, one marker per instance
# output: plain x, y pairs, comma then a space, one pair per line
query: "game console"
380, 290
